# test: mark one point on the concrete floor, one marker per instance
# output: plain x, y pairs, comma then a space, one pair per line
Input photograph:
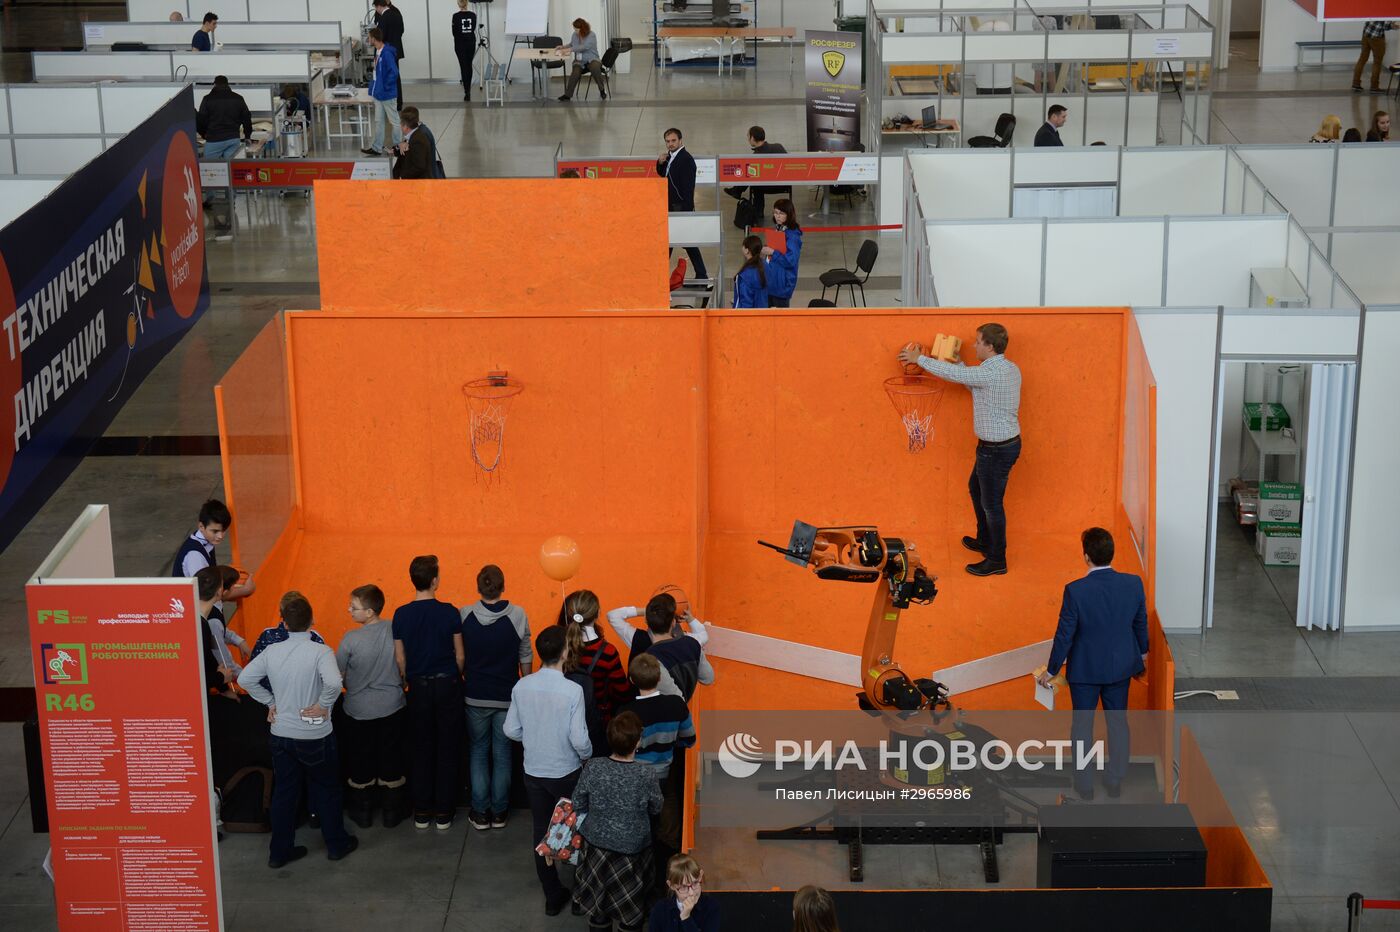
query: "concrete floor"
1283, 789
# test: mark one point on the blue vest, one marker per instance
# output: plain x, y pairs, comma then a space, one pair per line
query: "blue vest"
192, 545
493, 659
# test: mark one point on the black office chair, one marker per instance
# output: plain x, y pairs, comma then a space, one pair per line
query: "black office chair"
540, 69
607, 62
843, 278
1005, 129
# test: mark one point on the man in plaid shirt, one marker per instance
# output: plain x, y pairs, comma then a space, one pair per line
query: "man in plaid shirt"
1373, 44
995, 385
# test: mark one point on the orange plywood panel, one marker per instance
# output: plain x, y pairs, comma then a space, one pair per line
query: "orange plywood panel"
602, 439
492, 245
800, 428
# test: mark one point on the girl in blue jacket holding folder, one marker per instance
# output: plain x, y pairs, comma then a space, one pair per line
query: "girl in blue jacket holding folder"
751, 284
782, 266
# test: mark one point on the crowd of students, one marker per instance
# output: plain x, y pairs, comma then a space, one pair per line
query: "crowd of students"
605, 735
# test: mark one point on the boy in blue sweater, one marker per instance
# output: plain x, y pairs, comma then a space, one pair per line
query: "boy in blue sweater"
384, 90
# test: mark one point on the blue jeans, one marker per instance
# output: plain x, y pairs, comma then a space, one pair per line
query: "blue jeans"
1085, 698
384, 113
987, 487
223, 151
315, 764
490, 778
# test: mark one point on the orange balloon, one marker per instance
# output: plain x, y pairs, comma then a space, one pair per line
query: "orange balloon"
559, 557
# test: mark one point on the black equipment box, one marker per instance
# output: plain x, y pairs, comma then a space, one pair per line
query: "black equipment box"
1131, 845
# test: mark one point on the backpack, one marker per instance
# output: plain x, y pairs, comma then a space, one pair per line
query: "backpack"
247, 801
745, 213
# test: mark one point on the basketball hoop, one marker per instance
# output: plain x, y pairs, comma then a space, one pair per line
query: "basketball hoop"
916, 398
488, 403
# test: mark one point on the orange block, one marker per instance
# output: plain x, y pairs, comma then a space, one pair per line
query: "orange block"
492, 245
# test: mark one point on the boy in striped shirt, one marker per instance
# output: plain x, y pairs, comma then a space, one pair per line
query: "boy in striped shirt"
666, 728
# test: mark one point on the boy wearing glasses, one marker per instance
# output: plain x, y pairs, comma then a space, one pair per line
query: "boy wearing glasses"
375, 717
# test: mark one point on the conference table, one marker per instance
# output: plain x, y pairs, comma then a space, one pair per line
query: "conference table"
726, 38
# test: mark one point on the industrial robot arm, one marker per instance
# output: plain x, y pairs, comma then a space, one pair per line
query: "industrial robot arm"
860, 554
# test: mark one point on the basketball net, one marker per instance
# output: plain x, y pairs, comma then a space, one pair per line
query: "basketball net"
916, 398
488, 403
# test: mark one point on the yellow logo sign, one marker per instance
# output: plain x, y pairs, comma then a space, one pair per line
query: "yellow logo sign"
833, 62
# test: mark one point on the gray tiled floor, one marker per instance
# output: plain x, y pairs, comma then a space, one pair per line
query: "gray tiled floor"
1322, 814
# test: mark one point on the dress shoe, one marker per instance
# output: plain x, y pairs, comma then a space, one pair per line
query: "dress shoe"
297, 854
973, 544
1114, 789
564, 97
350, 846
1085, 795
987, 568
369, 150
603, 94
574, 908
555, 907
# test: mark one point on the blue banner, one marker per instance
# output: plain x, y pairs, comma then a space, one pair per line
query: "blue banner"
97, 282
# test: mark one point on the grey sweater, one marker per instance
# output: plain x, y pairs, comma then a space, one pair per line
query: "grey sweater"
373, 687
302, 673
620, 798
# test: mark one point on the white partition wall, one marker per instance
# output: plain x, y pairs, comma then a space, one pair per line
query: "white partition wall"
965, 185
1102, 264
170, 66
1181, 347
1157, 182
1208, 259
1372, 599
994, 264
325, 36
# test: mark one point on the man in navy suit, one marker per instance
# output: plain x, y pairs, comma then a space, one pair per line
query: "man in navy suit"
677, 166
1103, 636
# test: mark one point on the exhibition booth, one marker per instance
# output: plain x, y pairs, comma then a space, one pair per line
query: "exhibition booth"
974, 61
734, 422
1221, 279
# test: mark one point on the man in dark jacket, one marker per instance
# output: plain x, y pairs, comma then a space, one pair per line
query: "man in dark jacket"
1102, 635
1049, 133
758, 142
417, 155
390, 22
222, 113
677, 166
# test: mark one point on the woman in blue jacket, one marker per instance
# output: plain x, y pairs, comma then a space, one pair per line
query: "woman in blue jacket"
751, 284
782, 266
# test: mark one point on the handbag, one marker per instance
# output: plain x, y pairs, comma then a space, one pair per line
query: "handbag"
562, 841
745, 213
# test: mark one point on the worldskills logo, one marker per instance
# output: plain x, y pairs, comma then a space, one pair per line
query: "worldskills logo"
182, 225
740, 755
64, 664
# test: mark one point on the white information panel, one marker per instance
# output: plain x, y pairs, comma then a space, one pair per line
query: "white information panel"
213, 174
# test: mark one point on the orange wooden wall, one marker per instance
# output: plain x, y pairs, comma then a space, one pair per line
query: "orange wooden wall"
492, 245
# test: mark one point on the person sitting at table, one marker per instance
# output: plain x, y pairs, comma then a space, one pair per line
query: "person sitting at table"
584, 44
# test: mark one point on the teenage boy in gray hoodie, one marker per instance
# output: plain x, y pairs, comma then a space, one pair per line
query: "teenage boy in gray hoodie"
496, 636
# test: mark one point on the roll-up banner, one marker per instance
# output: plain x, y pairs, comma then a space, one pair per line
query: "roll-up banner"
120, 683
97, 282
833, 61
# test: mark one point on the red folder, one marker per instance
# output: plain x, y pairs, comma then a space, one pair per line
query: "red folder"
776, 239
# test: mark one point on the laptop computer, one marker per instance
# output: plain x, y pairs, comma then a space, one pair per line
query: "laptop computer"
929, 116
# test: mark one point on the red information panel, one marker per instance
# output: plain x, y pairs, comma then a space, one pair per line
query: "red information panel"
612, 168
301, 173
1342, 10
768, 169
120, 684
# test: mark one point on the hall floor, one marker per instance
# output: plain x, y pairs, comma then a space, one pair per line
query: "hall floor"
1323, 815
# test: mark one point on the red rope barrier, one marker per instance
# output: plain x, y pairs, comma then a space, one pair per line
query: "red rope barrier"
1381, 904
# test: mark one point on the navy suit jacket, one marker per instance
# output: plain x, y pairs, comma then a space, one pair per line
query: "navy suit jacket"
1103, 628
680, 187
1047, 135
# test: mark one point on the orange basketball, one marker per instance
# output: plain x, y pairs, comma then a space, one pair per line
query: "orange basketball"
910, 369
560, 557
677, 593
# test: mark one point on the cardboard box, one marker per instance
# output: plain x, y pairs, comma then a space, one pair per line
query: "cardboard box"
1273, 416
1279, 544
1280, 502
1246, 506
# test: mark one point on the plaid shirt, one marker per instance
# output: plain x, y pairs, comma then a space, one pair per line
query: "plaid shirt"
1376, 28
996, 393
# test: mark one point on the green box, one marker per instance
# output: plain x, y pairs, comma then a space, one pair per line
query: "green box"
1280, 544
1273, 416
1280, 502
